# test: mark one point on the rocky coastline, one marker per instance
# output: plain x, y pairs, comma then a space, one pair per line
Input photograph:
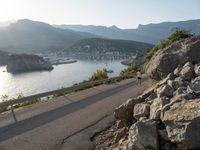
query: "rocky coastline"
4, 58
24, 63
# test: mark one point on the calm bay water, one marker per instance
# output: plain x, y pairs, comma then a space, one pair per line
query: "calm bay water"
61, 76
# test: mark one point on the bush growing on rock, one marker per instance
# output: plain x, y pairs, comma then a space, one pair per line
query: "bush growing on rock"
175, 36
169, 58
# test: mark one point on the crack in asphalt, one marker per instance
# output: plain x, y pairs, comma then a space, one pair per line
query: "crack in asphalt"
88, 126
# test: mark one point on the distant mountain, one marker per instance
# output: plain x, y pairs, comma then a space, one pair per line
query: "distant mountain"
101, 48
26, 36
101, 44
150, 33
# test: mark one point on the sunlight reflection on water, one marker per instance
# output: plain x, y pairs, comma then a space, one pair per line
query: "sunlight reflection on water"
62, 76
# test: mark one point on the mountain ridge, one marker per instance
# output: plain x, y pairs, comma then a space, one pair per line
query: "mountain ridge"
34, 36
27, 36
149, 33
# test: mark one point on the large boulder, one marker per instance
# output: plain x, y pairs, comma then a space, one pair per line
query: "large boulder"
125, 111
169, 58
143, 135
182, 122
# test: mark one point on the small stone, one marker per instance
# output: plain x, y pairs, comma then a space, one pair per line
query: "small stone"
121, 133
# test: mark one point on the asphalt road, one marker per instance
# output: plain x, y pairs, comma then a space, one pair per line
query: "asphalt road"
66, 122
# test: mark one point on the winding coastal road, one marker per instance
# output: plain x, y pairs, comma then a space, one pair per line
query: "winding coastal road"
66, 122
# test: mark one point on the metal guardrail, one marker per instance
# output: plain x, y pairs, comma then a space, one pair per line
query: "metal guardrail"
63, 90
10, 103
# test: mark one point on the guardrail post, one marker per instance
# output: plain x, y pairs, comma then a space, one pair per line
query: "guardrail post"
13, 113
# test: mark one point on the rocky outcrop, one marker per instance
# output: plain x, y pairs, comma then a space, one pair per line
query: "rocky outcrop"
169, 58
166, 116
24, 63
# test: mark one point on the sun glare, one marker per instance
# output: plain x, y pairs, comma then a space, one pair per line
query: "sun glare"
10, 9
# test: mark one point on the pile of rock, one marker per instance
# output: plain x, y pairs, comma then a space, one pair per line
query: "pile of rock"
166, 116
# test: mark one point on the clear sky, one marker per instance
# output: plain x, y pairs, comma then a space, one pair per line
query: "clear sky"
123, 13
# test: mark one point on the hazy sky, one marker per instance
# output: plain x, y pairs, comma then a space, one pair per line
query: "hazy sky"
123, 13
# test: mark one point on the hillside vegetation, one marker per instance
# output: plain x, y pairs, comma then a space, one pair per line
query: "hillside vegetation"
101, 44
131, 70
177, 35
99, 75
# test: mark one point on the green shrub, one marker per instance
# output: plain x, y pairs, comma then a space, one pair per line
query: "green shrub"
129, 71
175, 36
143, 67
3, 109
99, 75
26, 103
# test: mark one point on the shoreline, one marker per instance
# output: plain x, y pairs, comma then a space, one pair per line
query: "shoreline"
67, 62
